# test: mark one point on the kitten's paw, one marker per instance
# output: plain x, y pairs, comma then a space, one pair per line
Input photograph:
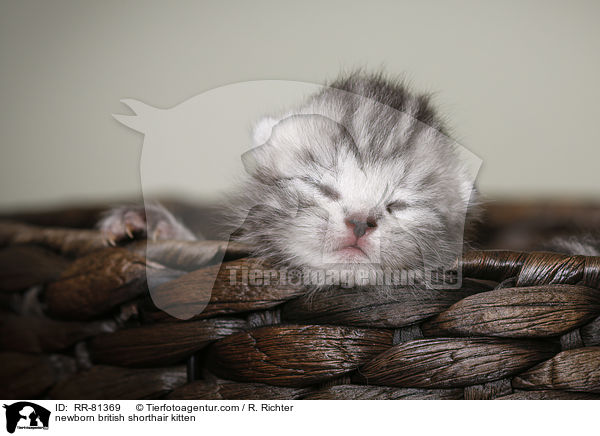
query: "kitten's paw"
139, 222
125, 222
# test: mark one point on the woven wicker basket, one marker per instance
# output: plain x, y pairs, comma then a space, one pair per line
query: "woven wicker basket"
77, 322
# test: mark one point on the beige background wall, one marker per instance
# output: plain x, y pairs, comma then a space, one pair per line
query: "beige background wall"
517, 79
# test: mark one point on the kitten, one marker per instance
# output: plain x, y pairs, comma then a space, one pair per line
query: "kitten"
361, 177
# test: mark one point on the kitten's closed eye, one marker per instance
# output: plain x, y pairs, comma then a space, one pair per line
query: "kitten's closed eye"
328, 191
396, 206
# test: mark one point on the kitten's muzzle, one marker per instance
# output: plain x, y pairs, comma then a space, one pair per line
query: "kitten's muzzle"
361, 225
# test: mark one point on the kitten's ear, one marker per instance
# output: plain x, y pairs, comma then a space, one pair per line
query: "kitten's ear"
262, 162
262, 130
266, 161
257, 158
279, 143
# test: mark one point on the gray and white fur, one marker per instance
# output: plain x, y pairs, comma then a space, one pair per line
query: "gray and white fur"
360, 176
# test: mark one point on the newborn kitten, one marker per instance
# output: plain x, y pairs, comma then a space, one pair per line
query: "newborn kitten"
359, 177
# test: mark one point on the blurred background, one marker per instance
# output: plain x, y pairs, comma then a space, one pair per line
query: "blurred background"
517, 81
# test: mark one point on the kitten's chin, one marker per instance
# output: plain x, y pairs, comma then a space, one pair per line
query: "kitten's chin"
348, 256
352, 254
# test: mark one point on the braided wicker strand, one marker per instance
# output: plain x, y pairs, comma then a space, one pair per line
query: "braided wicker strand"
77, 322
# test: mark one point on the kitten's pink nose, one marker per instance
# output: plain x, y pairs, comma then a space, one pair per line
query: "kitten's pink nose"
361, 225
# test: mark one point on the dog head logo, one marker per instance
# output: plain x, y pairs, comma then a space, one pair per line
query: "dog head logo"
194, 150
26, 415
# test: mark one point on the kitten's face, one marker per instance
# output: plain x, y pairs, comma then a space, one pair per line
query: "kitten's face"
356, 213
329, 199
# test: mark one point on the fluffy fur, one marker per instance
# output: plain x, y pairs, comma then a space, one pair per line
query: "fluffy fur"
365, 150
584, 244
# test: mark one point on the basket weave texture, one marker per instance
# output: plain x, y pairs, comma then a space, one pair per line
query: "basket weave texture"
77, 322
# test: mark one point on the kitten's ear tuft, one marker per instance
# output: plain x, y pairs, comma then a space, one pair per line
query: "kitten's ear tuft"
250, 162
262, 130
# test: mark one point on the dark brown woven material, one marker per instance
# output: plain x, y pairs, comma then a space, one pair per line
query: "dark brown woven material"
77, 322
